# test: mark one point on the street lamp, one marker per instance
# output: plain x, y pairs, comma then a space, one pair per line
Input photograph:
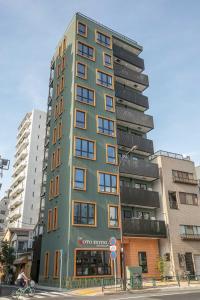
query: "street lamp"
125, 156
4, 165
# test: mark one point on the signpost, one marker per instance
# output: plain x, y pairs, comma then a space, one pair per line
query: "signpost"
113, 256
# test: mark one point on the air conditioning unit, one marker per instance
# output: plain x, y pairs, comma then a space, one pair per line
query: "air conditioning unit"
150, 189
153, 218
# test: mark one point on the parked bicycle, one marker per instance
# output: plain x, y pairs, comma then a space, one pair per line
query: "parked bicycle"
28, 290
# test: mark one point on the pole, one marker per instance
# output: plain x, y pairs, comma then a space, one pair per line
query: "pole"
61, 258
115, 271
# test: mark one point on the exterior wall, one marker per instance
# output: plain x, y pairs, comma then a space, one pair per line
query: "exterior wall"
25, 205
184, 215
150, 246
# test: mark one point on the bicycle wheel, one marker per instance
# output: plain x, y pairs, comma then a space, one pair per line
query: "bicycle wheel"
31, 292
13, 295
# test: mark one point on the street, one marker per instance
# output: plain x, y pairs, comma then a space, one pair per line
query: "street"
176, 294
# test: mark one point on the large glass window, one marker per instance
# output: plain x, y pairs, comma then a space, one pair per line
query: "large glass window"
84, 95
80, 178
82, 29
106, 126
187, 198
81, 70
84, 148
85, 50
80, 119
84, 213
107, 60
93, 263
107, 183
113, 216
104, 79
111, 154
109, 103
103, 39
142, 258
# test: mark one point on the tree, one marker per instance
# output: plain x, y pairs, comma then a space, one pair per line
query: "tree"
7, 256
161, 265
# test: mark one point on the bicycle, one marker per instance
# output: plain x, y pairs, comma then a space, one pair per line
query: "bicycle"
28, 290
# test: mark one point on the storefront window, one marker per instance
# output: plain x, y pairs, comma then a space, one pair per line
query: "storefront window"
92, 263
142, 257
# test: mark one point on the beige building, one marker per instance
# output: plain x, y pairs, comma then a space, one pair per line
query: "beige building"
180, 208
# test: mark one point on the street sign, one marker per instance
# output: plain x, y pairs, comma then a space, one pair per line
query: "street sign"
113, 248
113, 255
113, 241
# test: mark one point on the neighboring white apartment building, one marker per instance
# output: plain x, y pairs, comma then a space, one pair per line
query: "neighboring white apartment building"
27, 171
180, 208
4, 202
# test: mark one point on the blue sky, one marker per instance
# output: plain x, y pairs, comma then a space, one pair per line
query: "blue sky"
167, 29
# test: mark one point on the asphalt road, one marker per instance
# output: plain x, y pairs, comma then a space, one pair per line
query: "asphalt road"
178, 294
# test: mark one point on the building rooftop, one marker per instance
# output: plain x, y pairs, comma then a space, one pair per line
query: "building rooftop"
170, 155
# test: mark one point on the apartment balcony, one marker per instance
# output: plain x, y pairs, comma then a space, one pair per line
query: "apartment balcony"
134, 119
190, 237
18, 180
14, 215
51, 81
132, 196
191, 181
16, 191
20, 158
16, 202
144, 228
25, 125
127, 44
19, 169
49, 99
127, 140
130, 97
22, 138
127, 57
138, 169
130, 77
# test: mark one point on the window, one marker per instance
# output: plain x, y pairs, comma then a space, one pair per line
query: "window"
92, 263
64, 44
111, 154
79, 179
62, 84
142, 215
81, 70
85, 148
107, 183
104, 79
109, 103
141, 186
173, 200
58, 157
63, 63
46, 264
107, 60
85, 51
127, 214
61, 106
189, 230
51, 189
184, 177
55, 218
103, 39
58, 70
54, 135
59, 130
56, 264
80, 119
105, 126
57, 185
113, 220
53, 160
57, 90
85, 95
84, 213
56, 111
82, 29
49, 226
142, 258
189, 199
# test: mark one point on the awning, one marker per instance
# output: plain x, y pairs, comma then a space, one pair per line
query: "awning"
21, 260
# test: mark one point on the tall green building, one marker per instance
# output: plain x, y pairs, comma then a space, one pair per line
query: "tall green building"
95, 117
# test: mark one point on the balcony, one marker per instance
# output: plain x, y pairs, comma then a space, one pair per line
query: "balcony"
134, 119
139, 169
131, 196
130, 97
25, 125
16, 191
130, 77
191, 181
128, 45
128, 57
20, 158
19, 169
144, 228
190, 237
127, 140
